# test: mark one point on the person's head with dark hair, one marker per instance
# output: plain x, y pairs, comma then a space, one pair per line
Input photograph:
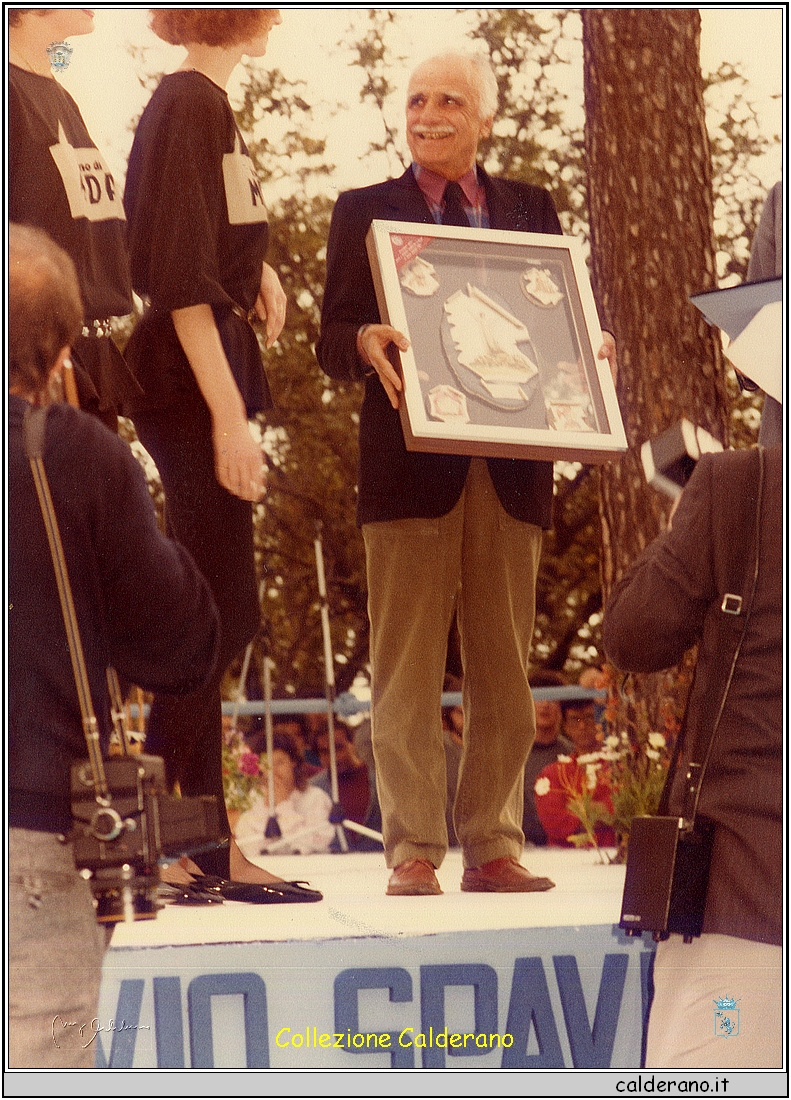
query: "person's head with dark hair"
579, 724
591, 677
316, 723
286, 744
72, 21
292, 724
346, 757
223, 27
549, 715
547, 677
297, 726
44, 311
453, 717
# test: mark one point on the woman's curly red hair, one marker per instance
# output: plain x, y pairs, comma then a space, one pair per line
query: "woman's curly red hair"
207, 26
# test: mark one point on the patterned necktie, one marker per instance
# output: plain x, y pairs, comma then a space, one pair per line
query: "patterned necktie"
453, 212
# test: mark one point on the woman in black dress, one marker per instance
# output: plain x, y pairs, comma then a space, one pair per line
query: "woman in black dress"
197, 237
58, 181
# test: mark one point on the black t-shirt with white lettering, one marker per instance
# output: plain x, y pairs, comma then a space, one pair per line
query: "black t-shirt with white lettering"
59, 182
197, 234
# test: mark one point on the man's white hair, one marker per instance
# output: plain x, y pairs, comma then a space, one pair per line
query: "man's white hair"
484, 80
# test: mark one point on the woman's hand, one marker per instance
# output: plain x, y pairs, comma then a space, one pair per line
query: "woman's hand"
239, 462
270, 305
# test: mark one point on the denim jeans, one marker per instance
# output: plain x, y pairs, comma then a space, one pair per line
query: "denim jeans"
54, 956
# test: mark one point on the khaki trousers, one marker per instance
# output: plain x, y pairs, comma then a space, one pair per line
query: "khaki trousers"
55, 952
482, 563
688, 1028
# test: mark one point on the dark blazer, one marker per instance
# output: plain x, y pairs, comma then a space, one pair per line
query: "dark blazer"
395, 483
141, 604
671, 598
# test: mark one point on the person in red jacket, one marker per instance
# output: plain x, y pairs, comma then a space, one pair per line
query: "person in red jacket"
582, 779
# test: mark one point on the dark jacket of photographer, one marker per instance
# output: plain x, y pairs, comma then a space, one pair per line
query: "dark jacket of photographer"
669, 600
142, 606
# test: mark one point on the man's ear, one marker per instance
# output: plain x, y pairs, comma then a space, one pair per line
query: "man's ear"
486, 127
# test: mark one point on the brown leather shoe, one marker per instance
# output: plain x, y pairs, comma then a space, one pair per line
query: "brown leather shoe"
503, 876
414, 876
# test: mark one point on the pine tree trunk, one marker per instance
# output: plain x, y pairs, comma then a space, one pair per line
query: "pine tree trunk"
651, 216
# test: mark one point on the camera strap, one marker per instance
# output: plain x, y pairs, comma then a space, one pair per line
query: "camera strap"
34, 430
736, 594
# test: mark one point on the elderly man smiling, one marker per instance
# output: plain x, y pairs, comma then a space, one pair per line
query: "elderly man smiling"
442, 533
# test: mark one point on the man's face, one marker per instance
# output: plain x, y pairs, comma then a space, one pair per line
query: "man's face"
579, 724
442, 116
455, 721
294, 730
549, 719
343, 757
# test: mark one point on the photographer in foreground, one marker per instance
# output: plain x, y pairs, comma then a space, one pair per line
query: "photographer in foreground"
718, 1000
141, 606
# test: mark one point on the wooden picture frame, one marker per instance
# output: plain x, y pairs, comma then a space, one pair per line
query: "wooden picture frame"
503, 335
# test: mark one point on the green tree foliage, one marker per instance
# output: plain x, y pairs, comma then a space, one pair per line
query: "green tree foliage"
736, 143
311, 434
534, 137
568, 592
311, 437
372, 55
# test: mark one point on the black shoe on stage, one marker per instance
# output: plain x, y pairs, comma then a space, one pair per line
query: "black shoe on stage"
186, 893
211, 874
256, 893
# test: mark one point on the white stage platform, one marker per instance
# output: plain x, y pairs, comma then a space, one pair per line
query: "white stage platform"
362, 981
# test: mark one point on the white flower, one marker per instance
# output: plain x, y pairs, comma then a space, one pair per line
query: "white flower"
656, 741
612, 742
590, 771
589, 758
564, 760
652, 754
542, 785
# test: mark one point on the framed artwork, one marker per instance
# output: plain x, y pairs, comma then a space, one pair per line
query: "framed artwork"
503, 335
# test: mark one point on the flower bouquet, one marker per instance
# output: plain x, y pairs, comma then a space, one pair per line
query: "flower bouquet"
241, 772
